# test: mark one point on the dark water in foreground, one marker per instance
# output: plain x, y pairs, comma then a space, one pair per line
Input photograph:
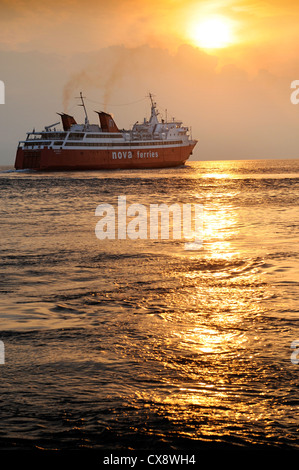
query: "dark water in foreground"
120, 345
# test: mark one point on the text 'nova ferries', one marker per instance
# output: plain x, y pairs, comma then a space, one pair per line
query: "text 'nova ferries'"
153, 144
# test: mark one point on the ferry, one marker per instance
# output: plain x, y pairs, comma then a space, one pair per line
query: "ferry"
154, 143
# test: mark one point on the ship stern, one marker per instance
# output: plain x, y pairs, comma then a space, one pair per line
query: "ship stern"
28, 159
19, 161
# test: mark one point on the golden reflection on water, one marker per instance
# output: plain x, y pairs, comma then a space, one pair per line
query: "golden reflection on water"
210, 329
217, 175
219, 224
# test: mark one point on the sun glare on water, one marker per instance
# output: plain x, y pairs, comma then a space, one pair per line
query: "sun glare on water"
211, 33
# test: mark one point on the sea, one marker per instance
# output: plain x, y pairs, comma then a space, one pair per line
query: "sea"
141, 345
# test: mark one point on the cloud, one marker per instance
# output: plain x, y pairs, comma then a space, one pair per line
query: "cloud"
71, 26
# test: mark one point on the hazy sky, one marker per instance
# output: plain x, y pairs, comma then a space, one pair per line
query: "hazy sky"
223, 67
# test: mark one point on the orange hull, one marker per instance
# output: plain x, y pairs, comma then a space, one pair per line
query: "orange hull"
82, 159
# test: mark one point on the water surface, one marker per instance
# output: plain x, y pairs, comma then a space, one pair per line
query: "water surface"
136, 344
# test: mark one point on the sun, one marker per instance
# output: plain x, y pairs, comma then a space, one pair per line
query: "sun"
212, 33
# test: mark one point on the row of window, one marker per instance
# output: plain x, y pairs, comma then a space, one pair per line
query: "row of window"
105, 144
74, 136
102, 136
123, 144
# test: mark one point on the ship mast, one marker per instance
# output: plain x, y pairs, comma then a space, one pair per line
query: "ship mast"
154, 112
151, 98
83, 105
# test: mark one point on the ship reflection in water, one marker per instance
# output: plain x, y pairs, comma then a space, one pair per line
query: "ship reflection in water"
142, 344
